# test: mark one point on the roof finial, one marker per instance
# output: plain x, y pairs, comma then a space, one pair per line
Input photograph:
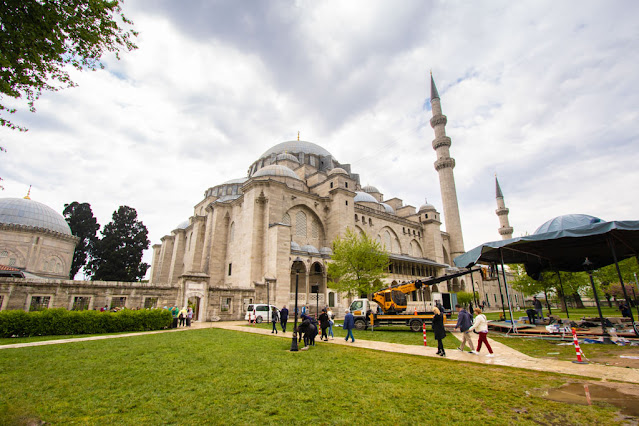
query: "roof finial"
298, 135
26, 197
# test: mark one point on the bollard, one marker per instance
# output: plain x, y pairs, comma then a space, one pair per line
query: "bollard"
424, 324
577, 348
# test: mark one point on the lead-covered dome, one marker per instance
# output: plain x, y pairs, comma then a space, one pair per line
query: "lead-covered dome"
364, 197
276, 170
297, 147
337, 171
370, 189
287, 156
25, 212
568, 221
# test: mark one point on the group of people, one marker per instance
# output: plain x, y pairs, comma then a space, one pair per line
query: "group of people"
181, 317
466, 324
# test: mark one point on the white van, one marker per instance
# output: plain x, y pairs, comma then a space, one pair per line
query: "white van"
261, 311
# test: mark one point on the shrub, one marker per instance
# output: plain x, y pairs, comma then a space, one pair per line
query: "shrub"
50, 322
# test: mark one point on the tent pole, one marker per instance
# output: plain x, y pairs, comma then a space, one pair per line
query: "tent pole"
510, 307
623, 286
563, 294
472, 282
503, 309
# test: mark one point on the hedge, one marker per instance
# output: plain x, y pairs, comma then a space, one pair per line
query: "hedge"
54, 322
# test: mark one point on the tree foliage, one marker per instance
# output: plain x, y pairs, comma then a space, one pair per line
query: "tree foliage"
39, 39
572, 282
117, 256
85, 226
358, 264
465, 297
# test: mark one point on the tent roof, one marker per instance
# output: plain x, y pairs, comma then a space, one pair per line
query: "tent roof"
563, 250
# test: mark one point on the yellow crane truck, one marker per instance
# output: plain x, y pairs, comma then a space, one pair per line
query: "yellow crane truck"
392, 303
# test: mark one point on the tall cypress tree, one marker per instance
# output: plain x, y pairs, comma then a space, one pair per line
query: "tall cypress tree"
85, 226
118, 254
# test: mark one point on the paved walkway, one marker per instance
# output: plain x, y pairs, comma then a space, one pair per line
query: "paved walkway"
504, 355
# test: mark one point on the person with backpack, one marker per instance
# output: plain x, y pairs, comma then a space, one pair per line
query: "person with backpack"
464, 322
439, 331
274, 319
481, 325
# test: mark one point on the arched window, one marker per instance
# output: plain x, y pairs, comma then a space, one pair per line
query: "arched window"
387, 241
300, 224
286, 219
315, 229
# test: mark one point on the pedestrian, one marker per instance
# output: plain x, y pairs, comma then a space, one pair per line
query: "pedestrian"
349, 323
174, 314
531, 316
274, 318
438, 305
283, 318
182, 316
538, 308
481, 326
464, 322
189, 316
439, 331
323, 320
331, 322
304, 310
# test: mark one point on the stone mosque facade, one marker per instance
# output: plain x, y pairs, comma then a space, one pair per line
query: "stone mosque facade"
248, 236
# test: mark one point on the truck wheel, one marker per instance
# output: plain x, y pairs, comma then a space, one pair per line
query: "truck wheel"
360, 324
416, 325
259, 319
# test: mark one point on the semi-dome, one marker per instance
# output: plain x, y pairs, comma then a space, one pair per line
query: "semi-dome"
238, 180
337, 171
276, 170
363, 197
326, 250
388, 208
370, 189
295, 246
311, 249
568, 221
230, 197
287, 156
183, 225
297, 147
26, 212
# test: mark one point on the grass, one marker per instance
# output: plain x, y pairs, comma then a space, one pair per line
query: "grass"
12, 340
217, 376
391, 334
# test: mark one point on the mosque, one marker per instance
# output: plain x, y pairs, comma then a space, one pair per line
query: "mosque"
252, 238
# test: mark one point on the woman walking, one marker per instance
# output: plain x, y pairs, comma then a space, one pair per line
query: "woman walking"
481, 326
331, 322
439, 330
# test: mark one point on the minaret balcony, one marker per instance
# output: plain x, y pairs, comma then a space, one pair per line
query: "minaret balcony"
444, 163
502, 212
442, 141
508, 230
438, 120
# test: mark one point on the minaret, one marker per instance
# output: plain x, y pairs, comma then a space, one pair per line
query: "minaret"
505, 230
444, 166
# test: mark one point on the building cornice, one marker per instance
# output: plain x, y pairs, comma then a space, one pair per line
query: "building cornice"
25, 228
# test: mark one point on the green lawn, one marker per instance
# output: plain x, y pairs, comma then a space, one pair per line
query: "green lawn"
219, 376
12, 340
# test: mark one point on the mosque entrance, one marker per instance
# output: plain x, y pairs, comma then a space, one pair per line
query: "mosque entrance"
194, 303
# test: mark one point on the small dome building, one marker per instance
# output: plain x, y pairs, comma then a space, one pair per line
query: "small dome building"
35, 238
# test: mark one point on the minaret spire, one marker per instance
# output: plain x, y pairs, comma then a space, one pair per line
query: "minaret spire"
444, 166
505, 230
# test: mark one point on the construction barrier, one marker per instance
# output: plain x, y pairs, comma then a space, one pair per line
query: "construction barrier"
577, 348
588, 400
424, 324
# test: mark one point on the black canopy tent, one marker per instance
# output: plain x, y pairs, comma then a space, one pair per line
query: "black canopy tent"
601, 243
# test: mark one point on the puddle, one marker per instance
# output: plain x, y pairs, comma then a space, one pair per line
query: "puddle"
625, 397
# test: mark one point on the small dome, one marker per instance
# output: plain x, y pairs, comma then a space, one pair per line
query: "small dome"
287, 156
295, 246
20, 211
363, 197
183, 225
326, 250
370, 189
388, 208
238, 180
310, 249
568, 221
337, 171
276, 170
427, 206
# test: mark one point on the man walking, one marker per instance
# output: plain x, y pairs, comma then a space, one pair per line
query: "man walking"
538, 309
283, 318
464, 322
349, 323
274, 319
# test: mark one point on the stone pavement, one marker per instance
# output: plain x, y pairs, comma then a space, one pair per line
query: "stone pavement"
504, 355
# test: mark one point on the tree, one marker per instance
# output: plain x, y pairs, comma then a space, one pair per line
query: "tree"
85, 226
608, 275
358, 264
39, 39
572, 282
465, 297
118, 255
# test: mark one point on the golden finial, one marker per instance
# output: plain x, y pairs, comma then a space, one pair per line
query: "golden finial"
26, 197
298, 135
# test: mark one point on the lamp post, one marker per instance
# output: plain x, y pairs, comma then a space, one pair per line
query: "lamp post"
297, 279
588, 266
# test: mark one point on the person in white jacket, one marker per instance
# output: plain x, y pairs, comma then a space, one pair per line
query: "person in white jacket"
481, 325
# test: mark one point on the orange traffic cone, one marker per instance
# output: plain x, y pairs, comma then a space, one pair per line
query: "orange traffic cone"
415, 310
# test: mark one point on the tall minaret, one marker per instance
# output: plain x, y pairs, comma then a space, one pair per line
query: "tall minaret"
505, 230
444, 166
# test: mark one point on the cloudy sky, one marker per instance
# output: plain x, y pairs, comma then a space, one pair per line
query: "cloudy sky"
543, 93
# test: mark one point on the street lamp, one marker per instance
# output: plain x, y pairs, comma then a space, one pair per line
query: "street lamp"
588, 266
296, 262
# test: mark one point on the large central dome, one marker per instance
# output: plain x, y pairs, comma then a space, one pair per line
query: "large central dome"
294, 147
